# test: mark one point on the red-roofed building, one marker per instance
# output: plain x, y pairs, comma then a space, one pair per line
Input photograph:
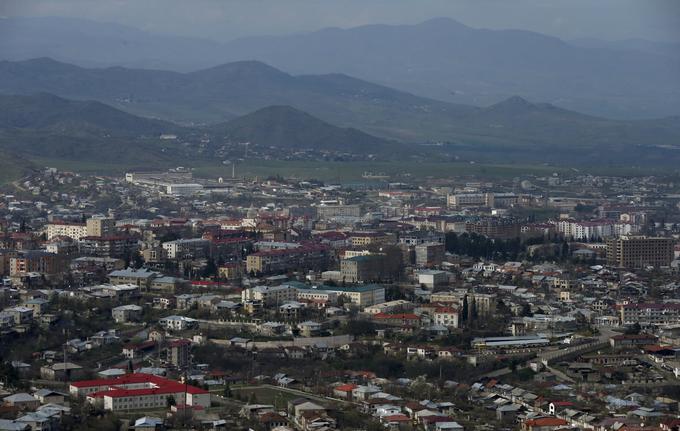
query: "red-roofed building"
544, 424
138, 391
344, 391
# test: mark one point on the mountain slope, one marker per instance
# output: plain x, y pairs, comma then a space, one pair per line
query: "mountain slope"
535, 131
51, 113
229, 90
46, 126
287, 127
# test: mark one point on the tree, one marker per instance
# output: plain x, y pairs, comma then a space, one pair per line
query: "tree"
633, 329
464, 312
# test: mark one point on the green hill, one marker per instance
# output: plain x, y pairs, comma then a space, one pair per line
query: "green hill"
287, 127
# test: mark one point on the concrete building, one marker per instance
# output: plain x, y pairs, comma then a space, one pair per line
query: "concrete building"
368, 267
126, 313
429, 254
270, 295
325, 212
194, 248
659, 313
639, 251
178, 352
71, 230
139, 392
100, 226
431, 278
35, 261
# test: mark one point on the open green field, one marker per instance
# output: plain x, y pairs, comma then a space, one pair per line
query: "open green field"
348, 171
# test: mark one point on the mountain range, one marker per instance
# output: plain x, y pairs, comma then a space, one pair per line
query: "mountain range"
439, 58
515, 126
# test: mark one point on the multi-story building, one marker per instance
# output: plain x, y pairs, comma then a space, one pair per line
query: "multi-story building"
140, 277
368, 267
178, 352
639, 251
361, 239
35, 261
446, 316
194, 248
656, 313
419, 237
139, 392
494, 228
362, 296
71, 230
100, 226
126, 313
305, 257
107, 246
270, 295
429, 254
325, 212
460, 200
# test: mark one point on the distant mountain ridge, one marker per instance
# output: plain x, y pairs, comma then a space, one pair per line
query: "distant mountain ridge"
438, 58
227, 91
343, 109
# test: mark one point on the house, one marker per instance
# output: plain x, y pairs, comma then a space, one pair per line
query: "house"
271, 420
344, 391
272, 328
126, 313
131, 351
62, 371
48, 396
42, 420
309, 328
148, 423
178, 323
362, 392
22, 401
38, 305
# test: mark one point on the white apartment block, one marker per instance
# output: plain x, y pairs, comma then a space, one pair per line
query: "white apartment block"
75, 231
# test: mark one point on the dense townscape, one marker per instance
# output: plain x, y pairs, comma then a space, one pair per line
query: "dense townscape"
161, 300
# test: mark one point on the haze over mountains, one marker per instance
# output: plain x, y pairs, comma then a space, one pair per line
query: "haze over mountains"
439, 58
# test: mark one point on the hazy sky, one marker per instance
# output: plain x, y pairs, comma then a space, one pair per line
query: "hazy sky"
229, 19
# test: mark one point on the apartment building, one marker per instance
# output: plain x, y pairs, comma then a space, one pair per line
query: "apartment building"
639, 251
429, 254
649, 313
368, 267
270, 295
35, 261
325, 212
362, 239
272, 261
100, 226
61, 228
194, 248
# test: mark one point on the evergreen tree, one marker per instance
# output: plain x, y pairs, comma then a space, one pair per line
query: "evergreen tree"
464, 311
